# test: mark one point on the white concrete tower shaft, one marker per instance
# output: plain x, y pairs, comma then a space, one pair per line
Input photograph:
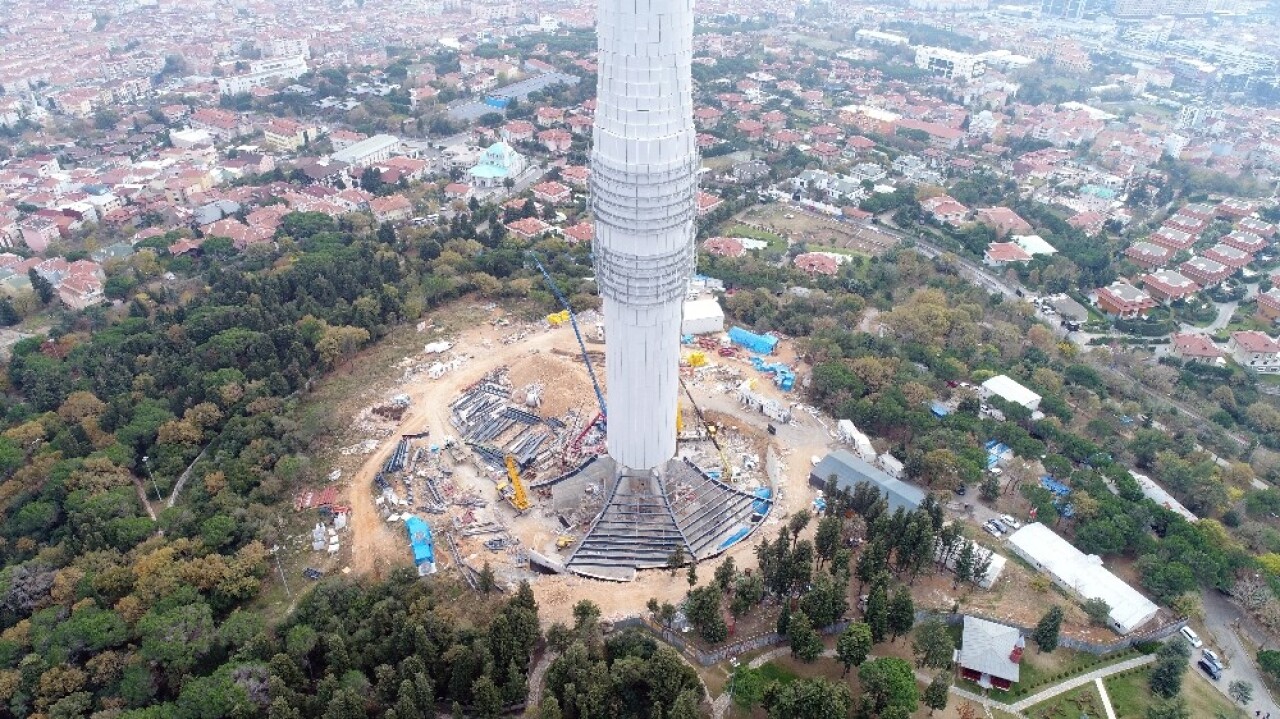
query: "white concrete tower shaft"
643, 195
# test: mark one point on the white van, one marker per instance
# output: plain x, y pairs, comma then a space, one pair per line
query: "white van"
1189, 634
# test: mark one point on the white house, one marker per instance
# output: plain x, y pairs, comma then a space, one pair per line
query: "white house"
702, 316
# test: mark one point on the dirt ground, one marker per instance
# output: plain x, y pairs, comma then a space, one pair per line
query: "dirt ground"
816, 231
549, 357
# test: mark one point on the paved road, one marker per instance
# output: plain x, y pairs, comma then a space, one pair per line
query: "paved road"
1081, 680
1220, 619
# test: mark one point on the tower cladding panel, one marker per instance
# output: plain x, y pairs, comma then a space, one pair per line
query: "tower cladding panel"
643, 194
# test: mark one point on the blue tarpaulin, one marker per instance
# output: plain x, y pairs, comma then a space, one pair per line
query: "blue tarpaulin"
424, 548
939, 409
760, 344
735, 537
1054, 486
761, 505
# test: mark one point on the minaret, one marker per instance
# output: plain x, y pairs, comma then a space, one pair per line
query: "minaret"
643, 195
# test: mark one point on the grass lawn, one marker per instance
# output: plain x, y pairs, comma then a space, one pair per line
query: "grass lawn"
1130, 696
1070, 705
776, 242
1043, 670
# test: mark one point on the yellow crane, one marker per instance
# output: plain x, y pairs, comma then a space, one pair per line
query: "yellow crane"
519, 498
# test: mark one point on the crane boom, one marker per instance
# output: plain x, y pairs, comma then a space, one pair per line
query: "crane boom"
519, 498
573, 322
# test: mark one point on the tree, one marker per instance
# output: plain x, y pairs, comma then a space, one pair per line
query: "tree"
877, 614
692, 574
827, 539
549, 708
43, 288
1241, 691
902, 613
937, 693
964, 564
854, 645
797, 523
989, 490
806, 643
1098, 611
1046, 632
8, 313
488, 700
675, 559
933, 645
889, 682
386, 234
724, 574
807, 699
486, 581
1171, 664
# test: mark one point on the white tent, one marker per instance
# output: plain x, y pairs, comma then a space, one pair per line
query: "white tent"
1082, 575
1005, 387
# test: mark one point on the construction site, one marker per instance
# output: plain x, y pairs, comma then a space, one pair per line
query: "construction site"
495, 438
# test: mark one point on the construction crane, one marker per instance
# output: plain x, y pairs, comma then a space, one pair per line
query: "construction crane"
573, 322
519, 498
711, 433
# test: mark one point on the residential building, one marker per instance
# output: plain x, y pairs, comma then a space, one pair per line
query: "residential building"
999, 254
1246, 242
949, 63
1149, 255
1175, 239
1255, 350
1193, 347
1229, 256
945, 209
990, 654
817, 263
262, 73
552, 193
1035, 245
528, 228
1003, 220
1167, 286
38, 232
393, 208
1205, 271
724, 246
288, 135
1269, 305
1123, 300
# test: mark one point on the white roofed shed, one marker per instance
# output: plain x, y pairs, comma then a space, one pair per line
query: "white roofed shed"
1010, 390
1082, 575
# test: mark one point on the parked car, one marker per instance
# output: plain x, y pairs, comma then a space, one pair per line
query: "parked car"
1010, 522
992, 528
961, 490
1190, 635
1209, 655
1213, 670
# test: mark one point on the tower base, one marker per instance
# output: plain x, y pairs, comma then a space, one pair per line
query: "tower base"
649, 514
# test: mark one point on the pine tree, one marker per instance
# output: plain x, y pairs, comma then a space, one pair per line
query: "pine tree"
8, 313
486, 581
43, 289
725, 573
902, 613
675, 559
854, 645
1046, 632
549, 709
692, 575
964, 565
827, 539
877, 614
806, 643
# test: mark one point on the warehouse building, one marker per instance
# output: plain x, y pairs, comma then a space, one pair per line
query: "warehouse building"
1010, 390
850, 471
1082, 575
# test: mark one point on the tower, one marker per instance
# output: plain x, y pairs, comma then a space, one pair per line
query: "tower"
643, 195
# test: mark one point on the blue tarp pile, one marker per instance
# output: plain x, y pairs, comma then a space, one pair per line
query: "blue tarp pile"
783, 375
761, 505
424, 548
1053, 485
996, 452
760, 344
939, 409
